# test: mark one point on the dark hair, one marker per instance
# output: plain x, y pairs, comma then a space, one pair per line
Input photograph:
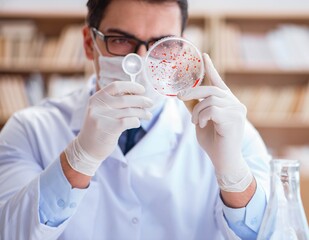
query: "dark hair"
96, 9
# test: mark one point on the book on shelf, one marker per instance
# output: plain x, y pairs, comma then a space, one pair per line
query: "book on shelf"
22, 44
230, 47
13, 96
35, 88
69, 47
290, 46
196, 35
304, 104
275, 103
17, 93
255, 50
284, 104
16, 37
285, 47
265, 98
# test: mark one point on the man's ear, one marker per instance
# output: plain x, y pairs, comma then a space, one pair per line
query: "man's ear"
88, 43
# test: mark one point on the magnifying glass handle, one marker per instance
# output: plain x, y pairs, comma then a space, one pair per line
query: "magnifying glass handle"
132, 78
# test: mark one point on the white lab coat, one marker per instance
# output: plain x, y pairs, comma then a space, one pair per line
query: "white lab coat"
164, 188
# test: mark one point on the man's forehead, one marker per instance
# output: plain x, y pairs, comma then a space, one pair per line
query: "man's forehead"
139, 17
141, 5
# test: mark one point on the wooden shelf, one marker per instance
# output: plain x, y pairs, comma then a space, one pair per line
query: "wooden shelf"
267, 70
49, 23
261, 22
292, 123
278, 139
280, 15
38, 15
44, 69
265, 76
279, 134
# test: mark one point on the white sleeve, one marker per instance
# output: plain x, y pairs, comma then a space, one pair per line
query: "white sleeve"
227, 232
19, 216
257, 157
19, 188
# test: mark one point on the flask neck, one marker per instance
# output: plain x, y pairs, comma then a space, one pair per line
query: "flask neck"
285, 179
284, 217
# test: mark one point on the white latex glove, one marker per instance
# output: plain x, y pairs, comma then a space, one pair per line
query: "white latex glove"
220, 119
113, 109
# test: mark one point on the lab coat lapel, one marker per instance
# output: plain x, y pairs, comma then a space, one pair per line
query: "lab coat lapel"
79, 103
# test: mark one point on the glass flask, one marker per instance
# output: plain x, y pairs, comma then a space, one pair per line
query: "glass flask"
284, 217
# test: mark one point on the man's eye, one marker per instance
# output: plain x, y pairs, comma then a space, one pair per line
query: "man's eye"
120, 41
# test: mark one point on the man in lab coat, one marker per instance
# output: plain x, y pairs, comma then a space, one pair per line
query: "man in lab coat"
71, 169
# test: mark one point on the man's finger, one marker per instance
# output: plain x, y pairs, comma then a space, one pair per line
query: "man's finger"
212, 74
200, 92
124, 87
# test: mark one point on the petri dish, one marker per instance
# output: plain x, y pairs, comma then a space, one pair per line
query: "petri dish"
173, 64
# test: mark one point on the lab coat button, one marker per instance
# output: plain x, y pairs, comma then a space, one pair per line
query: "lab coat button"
61, 203
73, 205
135, 220
123, 165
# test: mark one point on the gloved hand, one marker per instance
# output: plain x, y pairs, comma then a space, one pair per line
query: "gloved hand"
113, 109
220, 119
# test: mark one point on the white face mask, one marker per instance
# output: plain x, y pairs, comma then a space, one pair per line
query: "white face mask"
111, 71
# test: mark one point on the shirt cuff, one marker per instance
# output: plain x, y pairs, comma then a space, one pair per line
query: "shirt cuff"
58, 200
249, 218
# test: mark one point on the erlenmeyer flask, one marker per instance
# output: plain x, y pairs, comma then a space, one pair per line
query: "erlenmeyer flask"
284, 218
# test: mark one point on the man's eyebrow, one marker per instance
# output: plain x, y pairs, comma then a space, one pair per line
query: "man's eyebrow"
118, 31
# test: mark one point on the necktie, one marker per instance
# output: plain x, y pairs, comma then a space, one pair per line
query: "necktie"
131, 138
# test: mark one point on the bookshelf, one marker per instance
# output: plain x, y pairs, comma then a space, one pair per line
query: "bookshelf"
274, 87
199, 31
38, 49
41, 42
217, 33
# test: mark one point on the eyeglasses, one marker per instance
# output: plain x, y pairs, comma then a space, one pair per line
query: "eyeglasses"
123, 44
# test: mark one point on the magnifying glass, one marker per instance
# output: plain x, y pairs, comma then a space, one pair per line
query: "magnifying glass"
173, 64
132, 64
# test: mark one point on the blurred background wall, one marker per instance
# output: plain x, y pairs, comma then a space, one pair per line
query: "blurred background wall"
215, 5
